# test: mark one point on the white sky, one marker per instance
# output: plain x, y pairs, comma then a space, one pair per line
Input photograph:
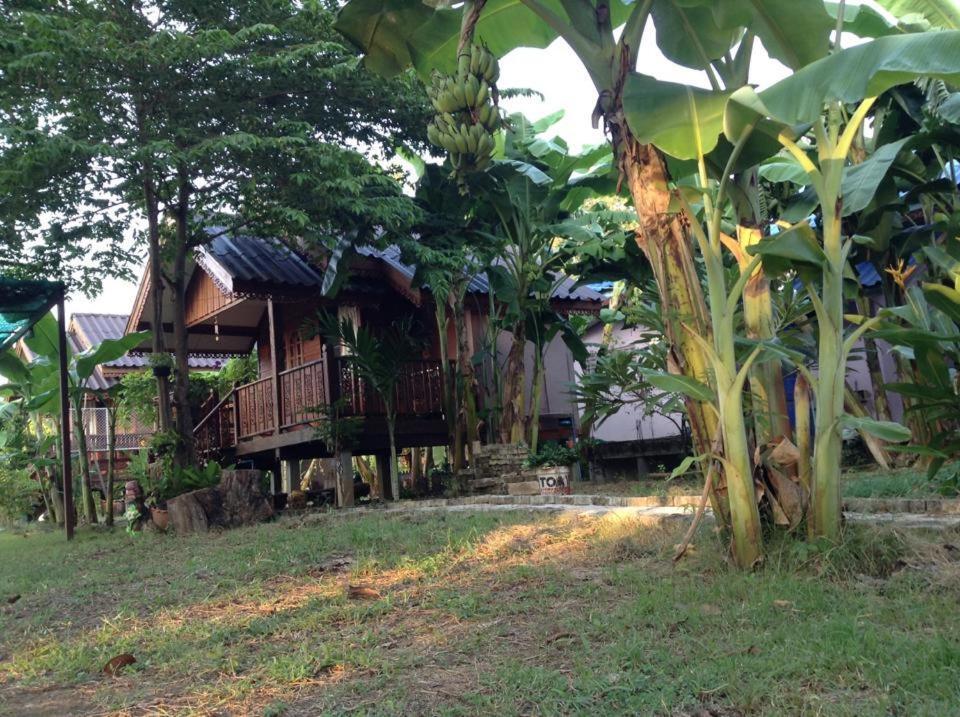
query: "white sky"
559, 76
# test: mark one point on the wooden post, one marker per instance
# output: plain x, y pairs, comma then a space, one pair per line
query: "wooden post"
345, 497
65, 418
236, 415
383, 475
275, 358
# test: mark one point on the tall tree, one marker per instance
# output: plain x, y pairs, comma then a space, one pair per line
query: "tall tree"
176, 116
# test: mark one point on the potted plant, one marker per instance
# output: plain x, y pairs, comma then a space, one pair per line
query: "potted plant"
552, 465
162, 364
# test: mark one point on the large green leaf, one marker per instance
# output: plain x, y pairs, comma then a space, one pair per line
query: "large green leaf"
504, 25
939, 13
849, 76
682, 121
884, 430
796, 32
860, 182
395, 34
949, 109
672, 383
381, 28
13, 368
688, 32
43, 338
784, 168
108, 350
861, 20
795, 245
944, 298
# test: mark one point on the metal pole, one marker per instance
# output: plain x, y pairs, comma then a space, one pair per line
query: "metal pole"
65, 418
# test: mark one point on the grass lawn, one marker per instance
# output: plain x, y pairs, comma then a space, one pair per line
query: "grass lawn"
476, 613
870, 483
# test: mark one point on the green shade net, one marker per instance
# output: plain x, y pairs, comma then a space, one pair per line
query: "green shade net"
22, 304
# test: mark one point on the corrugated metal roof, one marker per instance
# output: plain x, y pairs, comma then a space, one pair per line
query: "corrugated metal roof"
868, 274
254, 259
244, 258
567, 290
97, 327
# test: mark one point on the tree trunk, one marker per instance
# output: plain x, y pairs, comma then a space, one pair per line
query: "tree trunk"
766, 379
86, 494
801, 410
825, 499
450, 403
468, 377
514, 400
156, 279
184, 455
394, 477
881, 405
662, 238
538, 375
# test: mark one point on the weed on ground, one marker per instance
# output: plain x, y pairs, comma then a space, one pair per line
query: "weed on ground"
476, 613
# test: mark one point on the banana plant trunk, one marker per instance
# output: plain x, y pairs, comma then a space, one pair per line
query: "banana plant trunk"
391, 436
449, 388
827, 443
663, 240
771, 421
538, 376
514, 380
86, 493
468, 378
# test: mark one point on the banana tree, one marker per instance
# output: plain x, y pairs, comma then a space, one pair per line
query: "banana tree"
395, 34
80, 369
531, 197
818, 95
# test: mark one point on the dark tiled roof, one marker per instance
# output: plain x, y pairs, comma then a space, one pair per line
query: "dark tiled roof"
479, 284
253, 259
240, 262
94, 328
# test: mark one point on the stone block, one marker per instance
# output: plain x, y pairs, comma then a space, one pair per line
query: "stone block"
531, 488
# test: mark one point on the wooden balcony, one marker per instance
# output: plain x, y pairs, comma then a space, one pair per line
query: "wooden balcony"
248, 413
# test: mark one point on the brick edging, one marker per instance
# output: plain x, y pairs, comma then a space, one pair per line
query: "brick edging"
934, 506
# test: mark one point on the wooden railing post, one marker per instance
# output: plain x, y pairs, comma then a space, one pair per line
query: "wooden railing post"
275, 359
236, 415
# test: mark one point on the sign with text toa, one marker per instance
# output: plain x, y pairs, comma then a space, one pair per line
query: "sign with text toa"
554, 480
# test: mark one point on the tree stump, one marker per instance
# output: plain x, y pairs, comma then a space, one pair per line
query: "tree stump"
238, 500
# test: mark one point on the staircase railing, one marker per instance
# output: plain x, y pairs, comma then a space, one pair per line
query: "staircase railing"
218, 427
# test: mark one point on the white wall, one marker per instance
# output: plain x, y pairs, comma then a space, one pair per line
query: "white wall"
629, 423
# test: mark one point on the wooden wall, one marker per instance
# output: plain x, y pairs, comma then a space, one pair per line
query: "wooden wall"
204, 298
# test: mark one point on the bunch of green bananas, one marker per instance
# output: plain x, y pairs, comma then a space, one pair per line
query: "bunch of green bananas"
467, 113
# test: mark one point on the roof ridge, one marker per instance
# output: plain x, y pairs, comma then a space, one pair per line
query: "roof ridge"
99, 313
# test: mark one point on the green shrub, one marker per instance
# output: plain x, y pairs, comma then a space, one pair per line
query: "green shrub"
19, 494
553, 454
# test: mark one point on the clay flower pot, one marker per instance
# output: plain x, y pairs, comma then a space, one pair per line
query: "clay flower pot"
160, 518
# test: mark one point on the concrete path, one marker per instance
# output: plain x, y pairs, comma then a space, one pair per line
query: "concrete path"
653, 510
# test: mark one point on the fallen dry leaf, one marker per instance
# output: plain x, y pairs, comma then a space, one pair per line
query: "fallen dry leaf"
117, 663
782, 603
708, 609
362, 592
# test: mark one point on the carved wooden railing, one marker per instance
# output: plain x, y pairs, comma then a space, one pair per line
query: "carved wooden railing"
302, 389
255, 408
217, 428
247, 411
419, 390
